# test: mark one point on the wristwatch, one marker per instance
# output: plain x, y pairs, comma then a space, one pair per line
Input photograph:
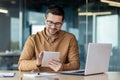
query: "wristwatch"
38, 65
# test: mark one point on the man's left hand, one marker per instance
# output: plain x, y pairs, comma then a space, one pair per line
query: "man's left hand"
56, 65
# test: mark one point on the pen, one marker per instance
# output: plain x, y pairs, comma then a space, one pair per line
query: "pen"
38, 73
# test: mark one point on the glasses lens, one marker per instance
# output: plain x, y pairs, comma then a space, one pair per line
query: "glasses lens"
50, 23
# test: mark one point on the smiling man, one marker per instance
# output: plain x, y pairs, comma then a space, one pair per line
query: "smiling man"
52, 38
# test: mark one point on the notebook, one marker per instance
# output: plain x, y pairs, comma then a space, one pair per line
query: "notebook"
97, 60
7, 74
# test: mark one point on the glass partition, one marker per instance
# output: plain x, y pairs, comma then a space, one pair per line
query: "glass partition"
10, 32
100, 23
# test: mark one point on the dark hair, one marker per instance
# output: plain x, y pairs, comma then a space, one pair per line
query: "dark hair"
56, 10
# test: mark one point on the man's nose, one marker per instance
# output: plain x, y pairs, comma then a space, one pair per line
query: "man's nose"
53, 26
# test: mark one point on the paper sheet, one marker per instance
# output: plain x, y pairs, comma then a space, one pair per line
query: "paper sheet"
39, 75
7, 74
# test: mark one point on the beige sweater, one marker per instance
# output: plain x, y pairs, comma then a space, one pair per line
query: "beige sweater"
65, 43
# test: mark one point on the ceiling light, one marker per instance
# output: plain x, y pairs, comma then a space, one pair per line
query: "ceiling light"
105, 1
111, 3
116, 5
13, 2
93, 13
85, 13
3, 11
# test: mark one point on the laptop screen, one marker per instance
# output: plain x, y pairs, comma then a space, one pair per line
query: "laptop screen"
98, 57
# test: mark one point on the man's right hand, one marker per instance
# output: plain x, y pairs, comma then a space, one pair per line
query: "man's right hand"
39, 58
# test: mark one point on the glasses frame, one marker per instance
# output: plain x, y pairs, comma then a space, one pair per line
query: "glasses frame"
51, 23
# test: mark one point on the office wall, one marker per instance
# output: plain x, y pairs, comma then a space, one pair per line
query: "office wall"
4, 32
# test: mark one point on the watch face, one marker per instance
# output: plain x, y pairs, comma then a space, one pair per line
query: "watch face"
38, 65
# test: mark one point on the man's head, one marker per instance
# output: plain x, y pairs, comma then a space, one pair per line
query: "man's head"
54, 19
56, 10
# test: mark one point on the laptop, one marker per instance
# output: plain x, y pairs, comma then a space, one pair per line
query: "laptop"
97, 60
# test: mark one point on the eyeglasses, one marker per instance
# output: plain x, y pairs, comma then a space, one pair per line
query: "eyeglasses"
51, 23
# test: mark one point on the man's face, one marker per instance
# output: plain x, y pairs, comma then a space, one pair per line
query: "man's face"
53, 23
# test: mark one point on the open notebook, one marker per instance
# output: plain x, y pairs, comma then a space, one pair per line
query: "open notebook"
97, 61
7, 74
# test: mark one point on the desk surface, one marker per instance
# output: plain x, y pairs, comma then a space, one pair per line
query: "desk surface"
105, 76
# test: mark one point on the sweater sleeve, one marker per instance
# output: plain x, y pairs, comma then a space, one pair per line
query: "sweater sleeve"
73, 56
26, 61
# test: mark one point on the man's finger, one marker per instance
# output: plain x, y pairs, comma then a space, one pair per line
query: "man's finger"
41, 54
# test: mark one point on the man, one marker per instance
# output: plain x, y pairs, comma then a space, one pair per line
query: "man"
52, 38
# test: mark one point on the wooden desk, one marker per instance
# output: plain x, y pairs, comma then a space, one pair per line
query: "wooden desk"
106, 76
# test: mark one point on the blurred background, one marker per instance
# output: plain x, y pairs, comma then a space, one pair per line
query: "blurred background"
90, 20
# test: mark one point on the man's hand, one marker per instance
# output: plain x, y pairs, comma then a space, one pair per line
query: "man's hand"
39, 58
56, 65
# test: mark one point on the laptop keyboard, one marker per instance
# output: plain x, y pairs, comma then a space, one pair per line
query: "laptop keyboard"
79, 72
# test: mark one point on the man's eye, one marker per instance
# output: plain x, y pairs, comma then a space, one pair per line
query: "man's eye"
58, 23
50, 22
